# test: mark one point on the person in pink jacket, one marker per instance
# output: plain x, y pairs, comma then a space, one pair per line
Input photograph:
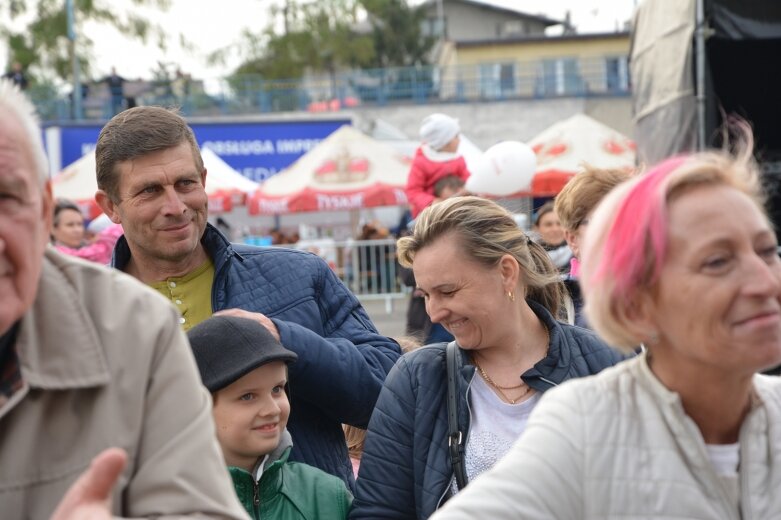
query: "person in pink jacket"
436, 158
102, 246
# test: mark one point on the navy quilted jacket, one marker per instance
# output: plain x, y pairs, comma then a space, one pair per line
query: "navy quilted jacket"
342, 359
405, 468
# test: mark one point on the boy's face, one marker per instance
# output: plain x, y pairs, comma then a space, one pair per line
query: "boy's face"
251, 414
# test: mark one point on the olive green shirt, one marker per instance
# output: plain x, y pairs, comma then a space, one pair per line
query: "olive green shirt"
191, 294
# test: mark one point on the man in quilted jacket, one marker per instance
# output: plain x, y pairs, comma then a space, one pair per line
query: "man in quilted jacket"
151, 179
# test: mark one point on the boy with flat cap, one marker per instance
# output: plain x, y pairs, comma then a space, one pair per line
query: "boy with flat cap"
245, 368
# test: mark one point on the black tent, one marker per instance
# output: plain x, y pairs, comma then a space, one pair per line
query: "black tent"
693, 62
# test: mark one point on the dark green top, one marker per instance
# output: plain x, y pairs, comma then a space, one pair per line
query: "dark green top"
291, 490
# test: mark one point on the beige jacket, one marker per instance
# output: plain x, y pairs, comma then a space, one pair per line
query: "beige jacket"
619, 445
105, 363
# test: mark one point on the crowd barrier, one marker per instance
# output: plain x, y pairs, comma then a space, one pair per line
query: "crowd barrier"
367, 267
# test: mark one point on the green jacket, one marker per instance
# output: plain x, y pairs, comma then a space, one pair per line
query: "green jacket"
290, 490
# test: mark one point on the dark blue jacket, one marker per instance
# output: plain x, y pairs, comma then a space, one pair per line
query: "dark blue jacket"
572, 285
342, 359
405, 469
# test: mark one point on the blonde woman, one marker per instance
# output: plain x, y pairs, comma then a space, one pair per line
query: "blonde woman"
575, 205
499, 294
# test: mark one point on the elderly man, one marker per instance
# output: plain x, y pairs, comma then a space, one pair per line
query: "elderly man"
151, 180
90, 361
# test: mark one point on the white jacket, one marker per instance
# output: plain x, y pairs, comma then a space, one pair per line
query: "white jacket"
619, 445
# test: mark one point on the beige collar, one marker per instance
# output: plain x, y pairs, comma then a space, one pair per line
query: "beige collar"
58, 345
649, 380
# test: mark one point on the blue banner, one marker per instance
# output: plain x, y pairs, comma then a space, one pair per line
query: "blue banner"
76, 141
257, 150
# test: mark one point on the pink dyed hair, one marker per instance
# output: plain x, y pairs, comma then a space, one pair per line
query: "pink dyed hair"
626, 244
641, 217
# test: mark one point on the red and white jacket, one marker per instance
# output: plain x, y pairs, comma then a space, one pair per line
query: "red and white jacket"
428, 167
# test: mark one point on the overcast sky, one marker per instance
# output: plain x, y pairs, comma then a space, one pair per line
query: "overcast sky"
212, 24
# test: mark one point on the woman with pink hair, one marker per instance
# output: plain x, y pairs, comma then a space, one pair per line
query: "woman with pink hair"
683, 260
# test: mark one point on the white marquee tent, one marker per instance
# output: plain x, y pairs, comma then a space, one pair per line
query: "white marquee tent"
224, 185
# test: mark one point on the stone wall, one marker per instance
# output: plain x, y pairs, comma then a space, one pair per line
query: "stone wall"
487, 123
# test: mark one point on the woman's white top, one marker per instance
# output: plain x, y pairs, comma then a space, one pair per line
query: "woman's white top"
494, 426
726, 459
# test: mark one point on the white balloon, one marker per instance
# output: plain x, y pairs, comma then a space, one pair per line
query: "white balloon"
504, 169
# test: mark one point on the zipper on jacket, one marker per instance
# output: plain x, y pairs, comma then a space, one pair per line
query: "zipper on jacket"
716, 481
466, 439
256, 497
221, 275
744, 508
547, 381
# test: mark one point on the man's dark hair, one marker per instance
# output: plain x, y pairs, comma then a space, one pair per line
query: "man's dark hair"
135, 133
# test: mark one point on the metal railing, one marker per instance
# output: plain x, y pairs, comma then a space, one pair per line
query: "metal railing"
489, 81
367, 267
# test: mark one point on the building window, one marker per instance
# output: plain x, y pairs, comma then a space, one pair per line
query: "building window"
617, 74
434, 27
559, 77
497, 80
512, 28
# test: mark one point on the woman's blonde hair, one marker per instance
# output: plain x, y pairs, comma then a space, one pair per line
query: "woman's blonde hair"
626, 241
355, 438
583, 192
487, 232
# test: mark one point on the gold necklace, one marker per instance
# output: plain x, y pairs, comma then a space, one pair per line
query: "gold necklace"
491, 381
501, 389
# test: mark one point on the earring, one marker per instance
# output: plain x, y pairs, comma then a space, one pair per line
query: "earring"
511, 296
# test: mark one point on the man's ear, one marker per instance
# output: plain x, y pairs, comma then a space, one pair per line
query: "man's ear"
203, 178
108, 206
48, 206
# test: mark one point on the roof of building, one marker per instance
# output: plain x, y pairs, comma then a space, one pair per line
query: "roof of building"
485, 4
535, 38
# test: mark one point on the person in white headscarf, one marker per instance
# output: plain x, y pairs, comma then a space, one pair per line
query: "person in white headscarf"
436, 159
